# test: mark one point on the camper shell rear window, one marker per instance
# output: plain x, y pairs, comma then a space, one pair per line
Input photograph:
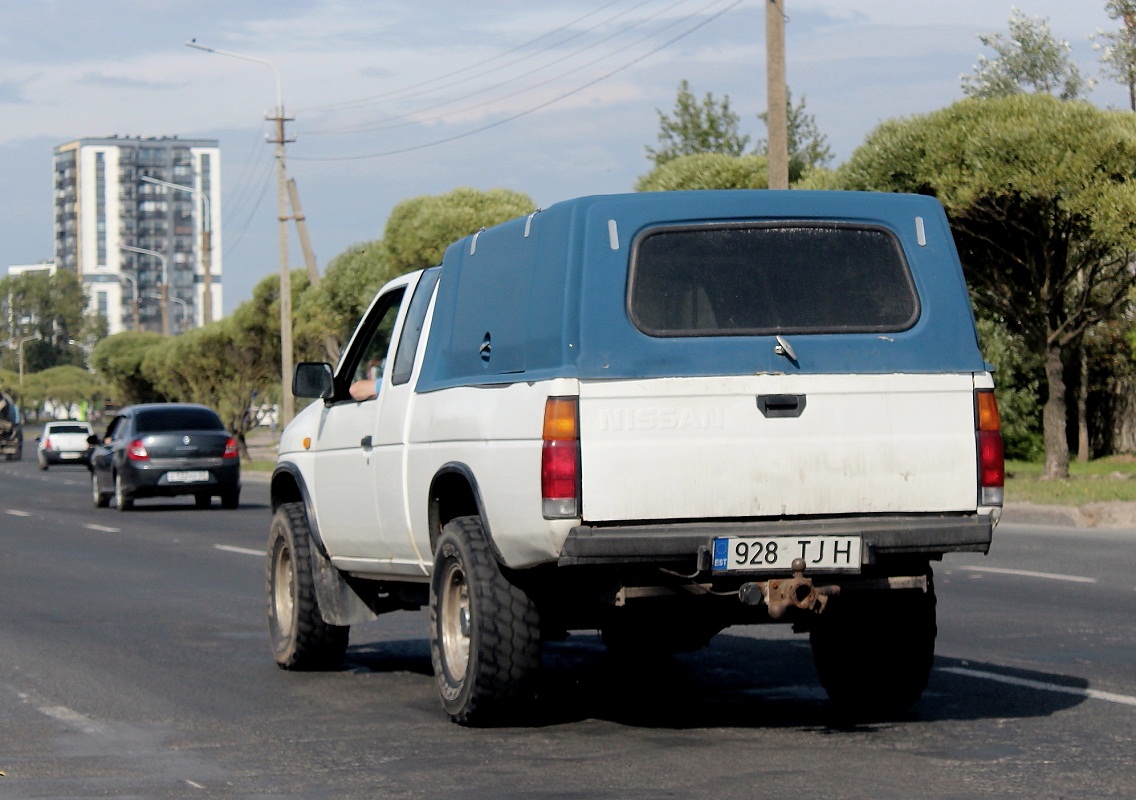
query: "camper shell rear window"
747, 279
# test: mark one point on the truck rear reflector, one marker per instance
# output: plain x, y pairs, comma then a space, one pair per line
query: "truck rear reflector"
560, 459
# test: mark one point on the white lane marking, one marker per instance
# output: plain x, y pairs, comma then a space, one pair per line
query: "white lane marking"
16, 513
194, 784
1025, 573
101, 528
73, 718
247, 551
1096, 694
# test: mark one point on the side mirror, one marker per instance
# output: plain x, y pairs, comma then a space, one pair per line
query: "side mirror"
312, 379
92, 440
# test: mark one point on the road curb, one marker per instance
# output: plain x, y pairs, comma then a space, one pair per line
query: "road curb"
1092, 515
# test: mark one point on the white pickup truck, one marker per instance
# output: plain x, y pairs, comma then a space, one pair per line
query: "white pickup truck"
655, 416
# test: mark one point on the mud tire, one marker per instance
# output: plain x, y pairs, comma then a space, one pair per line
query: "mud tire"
300, 638
484, 630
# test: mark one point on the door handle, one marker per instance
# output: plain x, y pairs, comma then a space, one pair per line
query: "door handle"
365, 442
781, 405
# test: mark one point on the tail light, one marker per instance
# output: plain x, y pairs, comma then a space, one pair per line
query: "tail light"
230, 448
136, 451
47, 443
991, 460
560, 459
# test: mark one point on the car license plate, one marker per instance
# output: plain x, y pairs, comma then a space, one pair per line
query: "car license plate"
776, 553
70, 455
187, 476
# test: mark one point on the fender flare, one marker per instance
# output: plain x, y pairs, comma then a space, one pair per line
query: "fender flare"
463, 471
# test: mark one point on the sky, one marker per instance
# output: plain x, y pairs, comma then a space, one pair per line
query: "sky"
392, 99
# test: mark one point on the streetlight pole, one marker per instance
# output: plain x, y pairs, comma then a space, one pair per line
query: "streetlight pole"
287, 401
206, 243
165, 296
134, 304
20, 348
184, 309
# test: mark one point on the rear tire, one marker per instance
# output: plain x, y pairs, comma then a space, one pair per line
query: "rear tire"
231, 500
873, 650
484, 630
300, 639
122, 499
100, 499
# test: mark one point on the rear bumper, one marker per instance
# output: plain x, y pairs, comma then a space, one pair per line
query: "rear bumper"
882, 536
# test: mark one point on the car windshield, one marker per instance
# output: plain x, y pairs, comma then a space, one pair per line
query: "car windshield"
68, 429
162, 420
762, 279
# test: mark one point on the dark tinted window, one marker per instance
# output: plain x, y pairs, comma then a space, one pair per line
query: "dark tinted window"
160, 420
67, 429
766, 279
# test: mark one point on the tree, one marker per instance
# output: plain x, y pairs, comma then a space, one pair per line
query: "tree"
118, 359
1028, 60
709, 127
419, 230
333, 307
217, 366
49, 307
1041, 196
1118, 48
707, 171
808, 147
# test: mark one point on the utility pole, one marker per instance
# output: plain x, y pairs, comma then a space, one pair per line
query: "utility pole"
776, 94
288, 401
302, 232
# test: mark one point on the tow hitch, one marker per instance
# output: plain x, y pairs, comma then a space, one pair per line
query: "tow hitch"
779, 595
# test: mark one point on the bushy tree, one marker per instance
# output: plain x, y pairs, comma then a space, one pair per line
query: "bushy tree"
419, 230
118, 359
709, 126
707, 171
220, 366
1029, 59
1041, 195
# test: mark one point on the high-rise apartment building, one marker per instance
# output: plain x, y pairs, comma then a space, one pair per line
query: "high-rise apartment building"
113, 199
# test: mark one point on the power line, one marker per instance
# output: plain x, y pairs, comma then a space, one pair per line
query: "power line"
418, 120
539, 106
408, 92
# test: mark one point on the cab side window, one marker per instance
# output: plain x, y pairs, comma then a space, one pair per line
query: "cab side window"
369, 361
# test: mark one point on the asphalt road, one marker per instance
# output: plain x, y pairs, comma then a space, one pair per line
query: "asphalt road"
134, 663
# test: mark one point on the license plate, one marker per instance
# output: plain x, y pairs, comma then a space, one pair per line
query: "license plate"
776, 553
187, 476
70, 455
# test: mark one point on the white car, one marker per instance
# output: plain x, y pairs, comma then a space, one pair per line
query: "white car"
63, 442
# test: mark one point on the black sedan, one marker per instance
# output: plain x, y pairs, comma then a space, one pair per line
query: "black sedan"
163, 450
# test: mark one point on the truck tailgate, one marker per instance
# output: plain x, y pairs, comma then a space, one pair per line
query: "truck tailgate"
703, 448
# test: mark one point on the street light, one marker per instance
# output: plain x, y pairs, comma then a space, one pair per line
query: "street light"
184, 309
206, 243
165, 282
133, 305
287, 405
20, 348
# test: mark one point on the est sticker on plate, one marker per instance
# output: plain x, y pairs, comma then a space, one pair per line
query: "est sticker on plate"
776, 553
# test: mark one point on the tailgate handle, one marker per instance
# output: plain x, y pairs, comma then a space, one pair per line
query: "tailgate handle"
781, 405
